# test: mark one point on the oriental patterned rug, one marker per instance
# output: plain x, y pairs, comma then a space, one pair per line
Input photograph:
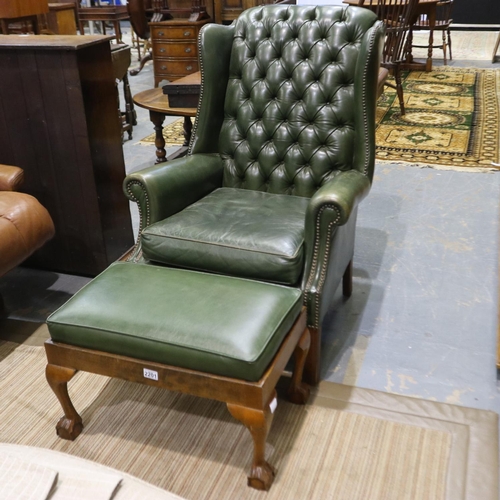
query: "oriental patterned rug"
348, 443
452, 120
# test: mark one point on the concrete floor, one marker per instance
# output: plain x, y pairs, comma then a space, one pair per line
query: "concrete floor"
423, 315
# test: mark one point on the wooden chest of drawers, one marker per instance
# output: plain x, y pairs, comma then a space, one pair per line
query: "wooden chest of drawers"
175, 48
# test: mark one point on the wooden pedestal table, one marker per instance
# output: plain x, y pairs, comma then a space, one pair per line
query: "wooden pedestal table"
136, 322
156, 102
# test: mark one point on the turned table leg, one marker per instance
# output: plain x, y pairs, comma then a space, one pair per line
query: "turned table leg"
70, 426
158, 119
298, 392
258, 423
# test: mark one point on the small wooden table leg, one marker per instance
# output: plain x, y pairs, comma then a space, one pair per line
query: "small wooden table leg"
118, 31
70, 426
158, 119
258, 423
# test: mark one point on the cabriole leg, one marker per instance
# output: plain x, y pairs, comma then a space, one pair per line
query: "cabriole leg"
258, 423
70, 426
298, 391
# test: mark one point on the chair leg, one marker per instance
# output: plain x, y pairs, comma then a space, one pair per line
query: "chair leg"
313, 358
347, 280
449, 43
258, 423
70, 426
399, 90
444, 48
298, 392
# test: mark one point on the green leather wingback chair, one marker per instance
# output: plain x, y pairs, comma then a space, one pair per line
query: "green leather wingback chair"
281, 154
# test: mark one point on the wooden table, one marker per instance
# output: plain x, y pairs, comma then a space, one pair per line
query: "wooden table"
425, 7
156, 102
112, 13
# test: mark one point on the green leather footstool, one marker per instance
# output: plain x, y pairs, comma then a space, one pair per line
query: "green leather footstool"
208, 335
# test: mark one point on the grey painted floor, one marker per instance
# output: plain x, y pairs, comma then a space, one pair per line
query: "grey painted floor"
423, 315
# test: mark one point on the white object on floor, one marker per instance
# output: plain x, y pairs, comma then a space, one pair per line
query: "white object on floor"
24, 480
81, 479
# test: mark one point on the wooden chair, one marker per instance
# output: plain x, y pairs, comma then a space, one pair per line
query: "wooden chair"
443, 22
397, 16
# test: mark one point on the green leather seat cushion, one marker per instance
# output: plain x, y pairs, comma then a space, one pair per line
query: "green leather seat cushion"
206, 322
234, 232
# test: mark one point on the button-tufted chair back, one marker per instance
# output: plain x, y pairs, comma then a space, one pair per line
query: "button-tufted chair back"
290, 115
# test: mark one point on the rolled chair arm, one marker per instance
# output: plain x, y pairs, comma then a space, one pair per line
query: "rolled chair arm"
167, 188
330, 207
10, 178
25, 226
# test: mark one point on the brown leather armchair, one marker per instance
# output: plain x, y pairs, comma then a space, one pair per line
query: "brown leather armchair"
25, 225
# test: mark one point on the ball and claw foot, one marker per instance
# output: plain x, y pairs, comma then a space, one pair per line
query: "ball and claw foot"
262, 476
69, 429
299, 394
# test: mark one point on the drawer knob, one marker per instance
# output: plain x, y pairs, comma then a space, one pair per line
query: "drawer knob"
189, 68
162, 50
161, 33
187, 33
163, 68
188, 50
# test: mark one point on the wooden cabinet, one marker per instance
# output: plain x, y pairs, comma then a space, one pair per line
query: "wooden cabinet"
175, 48
61, 19
226, 11
59, 122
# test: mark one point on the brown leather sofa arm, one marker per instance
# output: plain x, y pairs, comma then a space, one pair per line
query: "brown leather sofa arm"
25, 225
10, 178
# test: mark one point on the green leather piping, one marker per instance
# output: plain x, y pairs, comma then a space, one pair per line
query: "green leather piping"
365, 122
210, 243
137, 251
315, 260
375, 33
202, 86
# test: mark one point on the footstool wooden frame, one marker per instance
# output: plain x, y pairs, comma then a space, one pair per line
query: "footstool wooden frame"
252, 403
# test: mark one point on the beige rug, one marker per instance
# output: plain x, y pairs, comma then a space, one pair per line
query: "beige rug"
349, 443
